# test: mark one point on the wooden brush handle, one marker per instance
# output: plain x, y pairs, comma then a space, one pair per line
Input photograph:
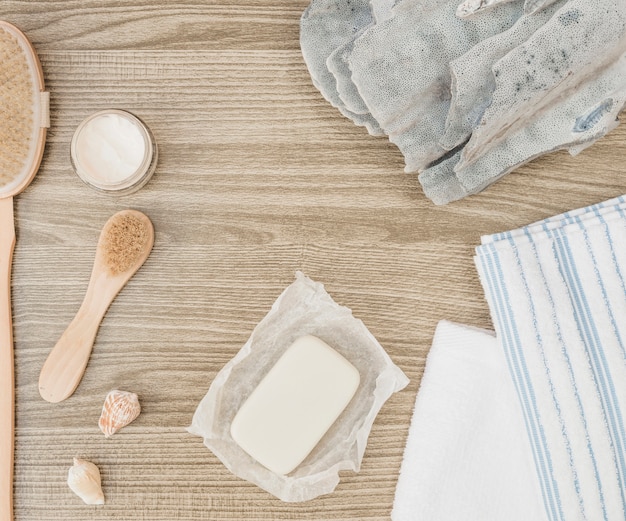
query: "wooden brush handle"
7, 375
66, 363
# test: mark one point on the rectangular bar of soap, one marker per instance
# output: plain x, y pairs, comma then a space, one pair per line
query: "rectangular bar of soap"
294, 405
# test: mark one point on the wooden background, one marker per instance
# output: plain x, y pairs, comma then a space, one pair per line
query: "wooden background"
258, 177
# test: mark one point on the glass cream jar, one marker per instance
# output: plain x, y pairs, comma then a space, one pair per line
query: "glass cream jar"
113, 151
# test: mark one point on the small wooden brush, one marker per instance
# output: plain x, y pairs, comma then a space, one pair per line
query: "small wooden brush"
24, 106
125, 243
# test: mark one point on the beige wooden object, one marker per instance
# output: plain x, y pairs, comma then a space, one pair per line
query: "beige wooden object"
21, 179
7, 392
66, 363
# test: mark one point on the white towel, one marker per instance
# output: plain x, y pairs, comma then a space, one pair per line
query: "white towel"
557, 296
467, 456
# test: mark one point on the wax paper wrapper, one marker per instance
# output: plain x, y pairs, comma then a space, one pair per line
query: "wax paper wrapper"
303, 308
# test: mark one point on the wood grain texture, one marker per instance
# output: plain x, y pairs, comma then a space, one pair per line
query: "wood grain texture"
258, 177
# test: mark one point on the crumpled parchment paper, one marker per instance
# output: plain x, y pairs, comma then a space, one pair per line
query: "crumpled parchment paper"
303, 308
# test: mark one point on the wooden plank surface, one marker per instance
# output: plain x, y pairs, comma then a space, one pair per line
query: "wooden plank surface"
258, 177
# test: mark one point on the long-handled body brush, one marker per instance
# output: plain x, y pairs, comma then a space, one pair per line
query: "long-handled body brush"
24, 113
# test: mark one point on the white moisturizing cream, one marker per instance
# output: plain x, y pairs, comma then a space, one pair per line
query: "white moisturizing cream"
113, 151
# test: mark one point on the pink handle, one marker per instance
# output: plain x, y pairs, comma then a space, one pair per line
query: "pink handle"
7, 375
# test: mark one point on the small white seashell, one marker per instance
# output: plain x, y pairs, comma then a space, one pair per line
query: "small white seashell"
119, 409
84, 480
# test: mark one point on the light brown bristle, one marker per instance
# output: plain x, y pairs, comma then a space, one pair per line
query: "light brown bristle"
16, 107
125, 239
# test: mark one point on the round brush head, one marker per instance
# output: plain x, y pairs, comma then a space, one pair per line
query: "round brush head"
24, 109
125, 242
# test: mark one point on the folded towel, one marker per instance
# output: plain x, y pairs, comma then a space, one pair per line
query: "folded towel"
467, 456
557, 297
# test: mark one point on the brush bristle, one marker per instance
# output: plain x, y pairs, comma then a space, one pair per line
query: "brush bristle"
16, 107
125, 239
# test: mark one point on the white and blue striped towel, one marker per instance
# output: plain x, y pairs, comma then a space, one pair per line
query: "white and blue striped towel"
557, 295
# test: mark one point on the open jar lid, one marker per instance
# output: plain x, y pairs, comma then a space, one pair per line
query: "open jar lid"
113, 151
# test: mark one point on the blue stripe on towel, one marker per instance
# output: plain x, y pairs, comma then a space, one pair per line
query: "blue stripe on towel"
593, 347
601, 284
570, 371
529, 418
621, 449
517, 364
616, 266
555, 401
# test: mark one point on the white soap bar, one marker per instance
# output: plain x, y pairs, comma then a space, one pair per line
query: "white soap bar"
295, 404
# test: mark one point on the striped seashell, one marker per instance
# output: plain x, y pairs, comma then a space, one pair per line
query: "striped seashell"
119, 409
